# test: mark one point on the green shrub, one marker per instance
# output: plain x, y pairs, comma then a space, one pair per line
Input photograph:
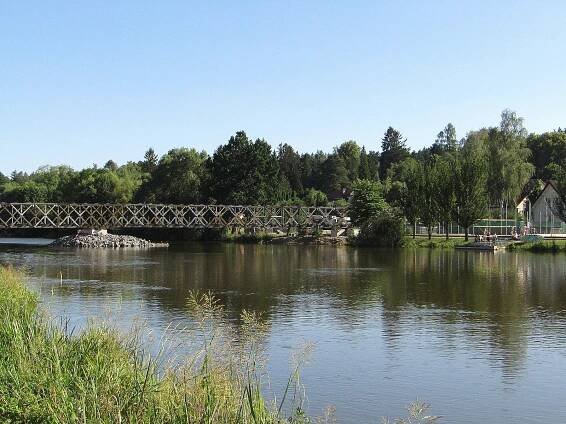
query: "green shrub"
367, 203
315, 198
385, 231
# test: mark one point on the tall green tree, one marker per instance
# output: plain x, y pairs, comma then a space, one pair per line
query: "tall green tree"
350, 153
508, 159
393, 150
56, 182
111, 165
410, 190
92, 185
364, 169
446, 198
19, 176
335, 174
373, 162
290, 167
446, 140
150, 160
244, 172
130, 178
428, 200
548, 153
470, 193
312, 175
178, 178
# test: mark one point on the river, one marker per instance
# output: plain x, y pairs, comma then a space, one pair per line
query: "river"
481, 336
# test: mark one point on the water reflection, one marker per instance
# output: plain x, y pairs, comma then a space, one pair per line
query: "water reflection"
406, 315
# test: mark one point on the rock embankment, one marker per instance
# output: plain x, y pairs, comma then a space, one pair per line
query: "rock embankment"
104, 241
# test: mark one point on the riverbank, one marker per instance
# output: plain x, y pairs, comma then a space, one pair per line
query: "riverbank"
540, 246
271, 238
327, 240
434, 243
46, 375
252, 238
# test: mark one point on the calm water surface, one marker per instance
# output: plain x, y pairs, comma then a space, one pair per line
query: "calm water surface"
478, 335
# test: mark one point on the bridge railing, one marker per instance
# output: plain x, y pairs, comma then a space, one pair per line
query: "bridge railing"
135, 215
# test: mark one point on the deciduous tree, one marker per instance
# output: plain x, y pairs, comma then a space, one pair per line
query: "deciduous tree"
367, 202
508, 159
410, 190
446, 199
469, 189
350, 153
428, 200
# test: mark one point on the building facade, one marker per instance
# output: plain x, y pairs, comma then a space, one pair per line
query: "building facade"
540, 213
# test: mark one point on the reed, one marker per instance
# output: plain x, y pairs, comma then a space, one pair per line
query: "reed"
50, 376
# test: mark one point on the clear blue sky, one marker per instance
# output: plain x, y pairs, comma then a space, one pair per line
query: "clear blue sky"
86, 81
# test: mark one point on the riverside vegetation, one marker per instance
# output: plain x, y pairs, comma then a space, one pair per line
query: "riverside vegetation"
541, 246
48, 375
452, 180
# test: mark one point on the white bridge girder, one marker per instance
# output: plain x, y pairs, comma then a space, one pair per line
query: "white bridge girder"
74, 215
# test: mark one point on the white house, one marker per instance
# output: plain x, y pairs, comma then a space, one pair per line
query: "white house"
540, 212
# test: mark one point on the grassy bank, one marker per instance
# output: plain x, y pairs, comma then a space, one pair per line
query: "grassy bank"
541, 246
48, 376
434, 243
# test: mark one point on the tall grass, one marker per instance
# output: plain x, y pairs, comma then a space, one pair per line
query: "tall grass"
49, 375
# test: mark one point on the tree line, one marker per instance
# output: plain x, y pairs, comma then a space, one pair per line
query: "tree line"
452, 180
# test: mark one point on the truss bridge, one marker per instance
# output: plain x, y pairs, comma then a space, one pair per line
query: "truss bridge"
60, 215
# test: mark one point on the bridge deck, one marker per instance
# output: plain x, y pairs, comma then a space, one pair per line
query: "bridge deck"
60, 215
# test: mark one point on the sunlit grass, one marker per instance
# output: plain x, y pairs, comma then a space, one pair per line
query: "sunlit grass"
434, 243
541, 246
99, 376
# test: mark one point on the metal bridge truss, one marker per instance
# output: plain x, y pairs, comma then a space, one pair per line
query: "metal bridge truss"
59, 215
